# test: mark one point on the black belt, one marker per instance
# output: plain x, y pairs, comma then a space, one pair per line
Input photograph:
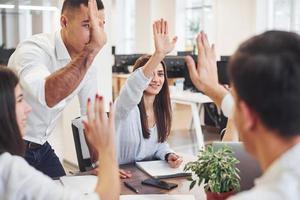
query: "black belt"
32, 145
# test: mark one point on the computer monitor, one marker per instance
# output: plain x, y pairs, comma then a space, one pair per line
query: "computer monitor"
123, 61
87, 156
175, 66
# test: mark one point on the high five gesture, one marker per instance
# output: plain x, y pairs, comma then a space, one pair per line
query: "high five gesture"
163, 45
205, 74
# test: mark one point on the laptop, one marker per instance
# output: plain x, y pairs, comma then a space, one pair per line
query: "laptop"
248, 166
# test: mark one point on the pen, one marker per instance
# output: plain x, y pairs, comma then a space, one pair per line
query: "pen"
131, 187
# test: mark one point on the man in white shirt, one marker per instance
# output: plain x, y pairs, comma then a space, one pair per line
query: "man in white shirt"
53, 69
265, 78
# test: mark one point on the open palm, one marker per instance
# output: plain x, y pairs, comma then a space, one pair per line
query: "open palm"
205, 74
98, 36
163, 43
100, 128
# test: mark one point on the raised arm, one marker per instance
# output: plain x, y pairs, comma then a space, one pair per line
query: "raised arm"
132, 91
163, 46
100, 132
64, 81
205, 74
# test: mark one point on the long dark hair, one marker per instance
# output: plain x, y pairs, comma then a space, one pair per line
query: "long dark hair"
162, 106
10, 136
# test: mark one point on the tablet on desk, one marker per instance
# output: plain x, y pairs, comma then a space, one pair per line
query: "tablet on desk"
159, 183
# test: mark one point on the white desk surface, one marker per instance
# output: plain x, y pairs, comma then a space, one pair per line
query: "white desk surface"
188, 96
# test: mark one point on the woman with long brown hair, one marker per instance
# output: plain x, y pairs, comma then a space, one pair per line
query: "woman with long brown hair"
19, 180
143, 108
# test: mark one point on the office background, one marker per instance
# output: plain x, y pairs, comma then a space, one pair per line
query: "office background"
128, 26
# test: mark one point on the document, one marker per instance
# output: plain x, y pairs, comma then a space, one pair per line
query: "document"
157, 197
161, 169
85, 184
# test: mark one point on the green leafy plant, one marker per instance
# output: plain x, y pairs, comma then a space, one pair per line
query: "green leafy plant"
217, 168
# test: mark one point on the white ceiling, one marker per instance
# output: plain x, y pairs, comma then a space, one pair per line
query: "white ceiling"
32, 2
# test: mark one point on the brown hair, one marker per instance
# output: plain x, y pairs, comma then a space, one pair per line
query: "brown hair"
162, 106
73, 4
10, 136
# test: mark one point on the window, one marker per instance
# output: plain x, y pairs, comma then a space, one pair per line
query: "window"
126, 23
198, 15
281, 15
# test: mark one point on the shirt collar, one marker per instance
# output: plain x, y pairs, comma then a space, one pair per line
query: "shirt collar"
60, 48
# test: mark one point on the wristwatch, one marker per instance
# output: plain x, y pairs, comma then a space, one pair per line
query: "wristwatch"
166, 156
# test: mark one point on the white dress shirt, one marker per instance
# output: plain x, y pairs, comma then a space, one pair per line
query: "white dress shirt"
131, 144
281, 181
20, 181
34, 60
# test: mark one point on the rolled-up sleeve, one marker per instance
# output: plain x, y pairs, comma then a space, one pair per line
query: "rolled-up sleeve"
29, 62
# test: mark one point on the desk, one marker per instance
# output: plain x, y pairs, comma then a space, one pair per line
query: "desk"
193, 99
138, 176
118, 81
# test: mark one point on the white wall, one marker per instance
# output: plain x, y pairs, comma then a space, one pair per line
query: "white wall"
235, 22
11, 29
147, 11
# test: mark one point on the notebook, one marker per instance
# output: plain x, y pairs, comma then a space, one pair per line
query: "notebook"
161, 169
85, 184
157, 197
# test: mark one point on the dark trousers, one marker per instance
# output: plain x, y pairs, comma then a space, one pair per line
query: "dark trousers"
44, 159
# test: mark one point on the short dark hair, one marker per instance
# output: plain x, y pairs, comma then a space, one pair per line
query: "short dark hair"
162, 106
71, 4
10, 136
265, 72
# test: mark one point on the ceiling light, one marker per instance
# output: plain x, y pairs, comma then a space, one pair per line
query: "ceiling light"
7, 6
43, 8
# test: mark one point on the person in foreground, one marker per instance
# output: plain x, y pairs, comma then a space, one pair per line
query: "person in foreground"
18, 180
143, 108
265, 78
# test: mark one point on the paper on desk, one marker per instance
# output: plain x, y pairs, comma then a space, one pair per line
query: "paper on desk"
84, 184
161, 169
157, 197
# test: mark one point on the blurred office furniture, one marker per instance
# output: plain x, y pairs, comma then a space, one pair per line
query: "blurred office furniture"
123, 62
83, 153
5, 55
195, 100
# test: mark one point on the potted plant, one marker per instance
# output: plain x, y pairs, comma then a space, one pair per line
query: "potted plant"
217, 169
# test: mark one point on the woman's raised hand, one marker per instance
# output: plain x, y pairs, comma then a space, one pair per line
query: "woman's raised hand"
163, 43
100, 128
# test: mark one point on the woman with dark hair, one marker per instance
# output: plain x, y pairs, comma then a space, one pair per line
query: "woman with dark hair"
143, 108
18, 180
